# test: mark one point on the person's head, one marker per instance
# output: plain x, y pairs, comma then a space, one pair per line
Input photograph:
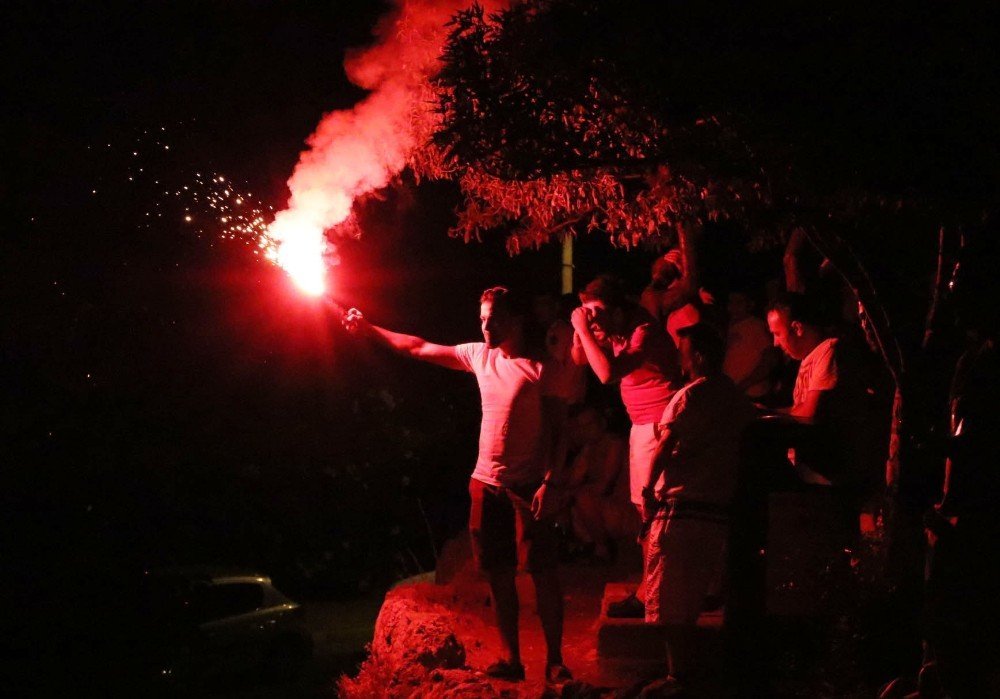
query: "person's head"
666, 269
587, 424
740, 304
701, 350
546, 308
501, 316
796, 324
605, 298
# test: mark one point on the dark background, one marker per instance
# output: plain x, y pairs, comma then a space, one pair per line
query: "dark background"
168, 397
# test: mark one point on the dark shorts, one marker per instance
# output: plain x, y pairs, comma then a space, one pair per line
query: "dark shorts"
504, 533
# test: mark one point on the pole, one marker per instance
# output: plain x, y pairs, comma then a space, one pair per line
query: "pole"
567, 265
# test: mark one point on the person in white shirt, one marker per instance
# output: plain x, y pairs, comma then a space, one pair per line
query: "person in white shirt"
687, 497
829, 398
513, 488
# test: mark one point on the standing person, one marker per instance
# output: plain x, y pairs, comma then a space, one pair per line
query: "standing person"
512, 488
562, 379
688, 493
622, 343
962, 608
666, 291
667, 297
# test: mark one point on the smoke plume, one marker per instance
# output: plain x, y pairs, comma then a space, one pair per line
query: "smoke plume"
359, 150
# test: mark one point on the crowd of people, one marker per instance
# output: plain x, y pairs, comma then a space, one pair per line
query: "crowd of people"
693, 374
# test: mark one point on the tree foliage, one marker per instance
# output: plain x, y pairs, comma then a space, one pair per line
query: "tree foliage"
549, 131
630, 119
869, 127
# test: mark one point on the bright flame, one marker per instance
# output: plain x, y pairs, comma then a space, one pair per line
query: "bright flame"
357, 151
299, 247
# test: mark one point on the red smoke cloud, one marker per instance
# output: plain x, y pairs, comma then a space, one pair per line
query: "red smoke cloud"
359, 150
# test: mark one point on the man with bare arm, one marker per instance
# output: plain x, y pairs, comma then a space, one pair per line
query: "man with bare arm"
829, 398
623, 344
513, 489
687, 498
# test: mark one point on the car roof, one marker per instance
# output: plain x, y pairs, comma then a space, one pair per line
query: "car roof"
217, 575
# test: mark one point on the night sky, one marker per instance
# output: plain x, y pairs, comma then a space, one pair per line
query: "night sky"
168, 396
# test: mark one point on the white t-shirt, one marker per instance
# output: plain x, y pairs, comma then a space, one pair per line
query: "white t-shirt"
708, 417
842, 452
817, 372
510, 435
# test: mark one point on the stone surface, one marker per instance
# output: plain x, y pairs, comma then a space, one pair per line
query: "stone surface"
412, 654
634, 639
407, 632
435, 640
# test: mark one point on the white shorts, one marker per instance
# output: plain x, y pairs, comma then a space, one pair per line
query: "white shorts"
642, 441
684, 561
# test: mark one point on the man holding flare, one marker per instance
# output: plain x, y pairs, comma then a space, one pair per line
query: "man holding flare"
513, 488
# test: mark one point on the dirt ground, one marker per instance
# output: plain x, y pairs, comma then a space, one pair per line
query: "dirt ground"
463, 605
435, 640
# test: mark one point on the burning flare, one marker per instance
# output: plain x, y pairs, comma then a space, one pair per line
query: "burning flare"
299, 248
359, 150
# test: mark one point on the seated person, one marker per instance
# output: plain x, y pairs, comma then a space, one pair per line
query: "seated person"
601, 511
828, 395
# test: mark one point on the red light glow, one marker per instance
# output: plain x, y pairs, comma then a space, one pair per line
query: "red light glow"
359, 150
299, 247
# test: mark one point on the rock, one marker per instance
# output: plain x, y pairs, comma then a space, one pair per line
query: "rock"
407, 634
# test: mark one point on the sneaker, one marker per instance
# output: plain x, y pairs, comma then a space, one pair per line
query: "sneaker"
557, 673
628, 608
506, 670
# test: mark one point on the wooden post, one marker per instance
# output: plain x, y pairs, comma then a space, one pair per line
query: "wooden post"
567, 264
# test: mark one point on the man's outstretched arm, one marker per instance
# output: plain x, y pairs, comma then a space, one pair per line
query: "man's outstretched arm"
409, 345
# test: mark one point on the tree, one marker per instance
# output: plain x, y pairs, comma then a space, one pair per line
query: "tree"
869, 129
549, 132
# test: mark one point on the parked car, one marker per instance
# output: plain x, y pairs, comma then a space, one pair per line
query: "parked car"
205, 627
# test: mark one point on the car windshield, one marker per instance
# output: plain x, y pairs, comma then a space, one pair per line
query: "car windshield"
219, 601
180, 600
